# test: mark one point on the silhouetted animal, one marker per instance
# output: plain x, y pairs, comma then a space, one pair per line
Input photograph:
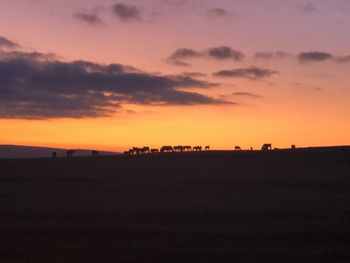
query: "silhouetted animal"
70, 153
154, 151
266, 147
293, 147
197, 148
54, 154
178, 148
187, 148
145, 150
166, 149
238, 148
135, 150
95, 153
207, 148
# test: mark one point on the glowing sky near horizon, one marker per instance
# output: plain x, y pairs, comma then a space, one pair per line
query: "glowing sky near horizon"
291, 85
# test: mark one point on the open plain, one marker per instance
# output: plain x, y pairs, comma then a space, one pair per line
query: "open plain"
216, 206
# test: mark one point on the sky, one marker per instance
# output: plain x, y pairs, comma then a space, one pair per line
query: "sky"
111, 75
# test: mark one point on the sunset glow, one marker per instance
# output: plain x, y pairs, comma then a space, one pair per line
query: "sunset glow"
219, 73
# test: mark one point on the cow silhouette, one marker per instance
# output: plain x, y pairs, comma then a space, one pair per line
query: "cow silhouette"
197, 148
145, 149
238, 148
187, 148
207, 148
266, 147
95, 153
293, 147
166, 149
136, 150
178, 148
70, 153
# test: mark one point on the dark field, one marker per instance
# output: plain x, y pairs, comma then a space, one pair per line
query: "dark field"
280, 206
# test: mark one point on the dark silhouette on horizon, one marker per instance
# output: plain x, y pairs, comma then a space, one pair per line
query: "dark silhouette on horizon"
266, 147
70, 153
187, 148
95, 153
166, 149
145, 149
178, 148
197, 148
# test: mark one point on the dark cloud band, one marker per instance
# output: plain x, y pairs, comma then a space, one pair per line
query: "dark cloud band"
315, 56
219, 53
35, 85
249, 73
246, 94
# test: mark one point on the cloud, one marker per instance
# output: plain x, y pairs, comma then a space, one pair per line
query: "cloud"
249, 73
308, 8
319, 56
92, 19
39, 86
194, 74
220, 53
315, 56
126, 12
224, 52
6, 43
246, 94
218, 12
343, 59
178, 63
181, 54
184, 53
271, 55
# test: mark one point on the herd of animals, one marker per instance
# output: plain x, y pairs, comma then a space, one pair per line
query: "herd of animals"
168, 149
180, 148
165, 149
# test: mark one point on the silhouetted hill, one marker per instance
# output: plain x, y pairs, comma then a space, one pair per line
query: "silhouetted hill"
278, 206
17, 151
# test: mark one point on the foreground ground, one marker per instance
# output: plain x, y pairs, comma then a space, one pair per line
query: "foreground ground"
281, 206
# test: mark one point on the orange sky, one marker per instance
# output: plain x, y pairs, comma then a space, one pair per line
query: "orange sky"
302, 101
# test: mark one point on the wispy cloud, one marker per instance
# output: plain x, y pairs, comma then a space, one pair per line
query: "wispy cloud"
248, 73
184, 53
246, 94
308, 7
126, 12
315, 56
225, 52
218, 53
320, 56
218, 12
271, 55
6, 43
89, 18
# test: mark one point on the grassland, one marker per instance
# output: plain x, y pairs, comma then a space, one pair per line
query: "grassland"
278, 206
